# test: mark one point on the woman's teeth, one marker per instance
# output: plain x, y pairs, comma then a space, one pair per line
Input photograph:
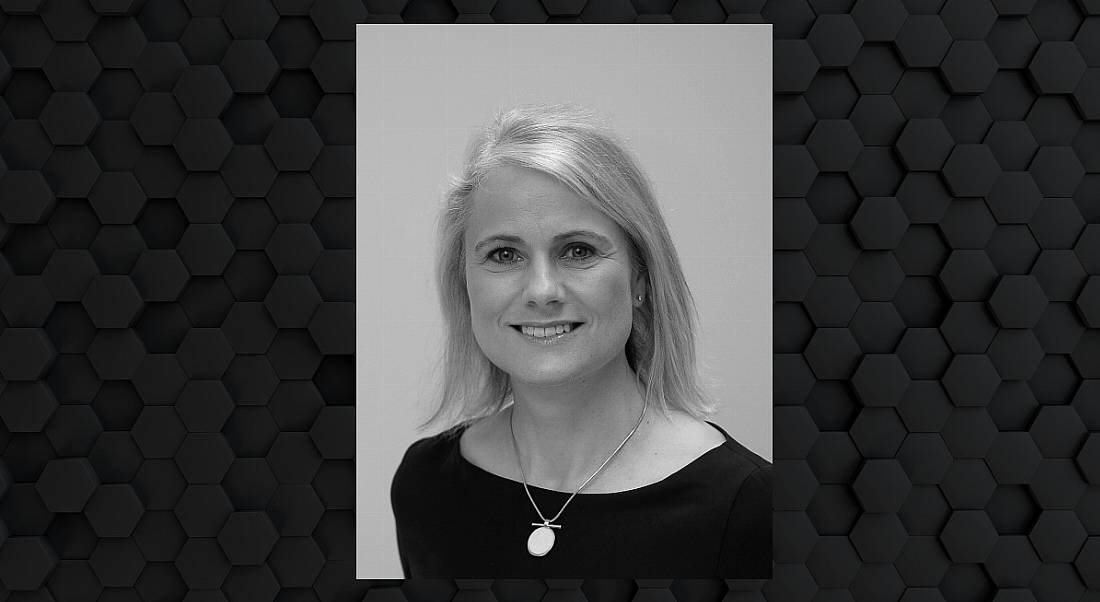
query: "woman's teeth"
536, 332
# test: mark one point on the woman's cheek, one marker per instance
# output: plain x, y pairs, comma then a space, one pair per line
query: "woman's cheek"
485, 296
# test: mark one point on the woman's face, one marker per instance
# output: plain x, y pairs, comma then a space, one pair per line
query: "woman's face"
541, 261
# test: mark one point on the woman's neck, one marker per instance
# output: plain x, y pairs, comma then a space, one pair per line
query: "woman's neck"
565, 433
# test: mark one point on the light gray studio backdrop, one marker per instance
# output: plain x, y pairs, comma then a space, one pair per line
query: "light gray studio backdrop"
693, 102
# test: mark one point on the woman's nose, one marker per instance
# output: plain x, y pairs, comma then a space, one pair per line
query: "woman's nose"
543, 282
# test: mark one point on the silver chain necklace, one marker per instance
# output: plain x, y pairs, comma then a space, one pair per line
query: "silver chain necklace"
542, 538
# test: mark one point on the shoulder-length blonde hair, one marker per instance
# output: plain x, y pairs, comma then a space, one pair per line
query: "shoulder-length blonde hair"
574, 146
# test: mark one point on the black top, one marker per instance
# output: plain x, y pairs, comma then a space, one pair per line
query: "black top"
710, 519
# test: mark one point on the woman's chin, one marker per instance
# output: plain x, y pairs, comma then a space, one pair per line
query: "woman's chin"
545, 378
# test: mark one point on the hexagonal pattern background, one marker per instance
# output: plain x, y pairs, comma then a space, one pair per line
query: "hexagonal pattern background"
164, 426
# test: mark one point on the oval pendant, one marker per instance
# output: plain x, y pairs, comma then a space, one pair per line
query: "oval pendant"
540, 541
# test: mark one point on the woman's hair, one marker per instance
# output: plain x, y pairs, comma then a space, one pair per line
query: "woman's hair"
574, 146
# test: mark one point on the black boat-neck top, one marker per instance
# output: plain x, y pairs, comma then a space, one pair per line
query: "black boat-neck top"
710, 519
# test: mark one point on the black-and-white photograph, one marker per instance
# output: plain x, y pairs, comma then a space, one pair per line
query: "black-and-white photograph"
564, 301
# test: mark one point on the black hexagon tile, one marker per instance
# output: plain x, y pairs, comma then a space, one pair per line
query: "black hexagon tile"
1057, 536
115, 457
880, 380
249, 66
969, 67
24, 144
251, 379
876, 69
924, 144
878, 432
114, 510
831, 197
176, 290
1058, 484
1012, 562
118, 562
160, 65
925, 407
1057, 170
1087, 561
968, 536
881, 486
156, 118
72, 67
968, 484
877, 327
247, 538
250, 484
877, 119
26, 562
251, 431
971, 170
293, 144
327, 328
923, 41
925, 458
796, 223
65, 485
1016, 353
1056, 67
796, 65
204, 40
204, 458
968, 224
1012, 509
202, 144
968, 276
26, 302
969, 19
833, 458
73, 429
1060, 274
69, 118
1014, 197
1053, 120
835, 40
201, 564
833, 562
1018, 302
27, 197
1012, 144
798, 165
922, 562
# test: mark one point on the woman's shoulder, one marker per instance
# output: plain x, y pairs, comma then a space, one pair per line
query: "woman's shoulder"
747, 484
434, 443
741, 455
676, 439
747, 539
429, 454
751, 472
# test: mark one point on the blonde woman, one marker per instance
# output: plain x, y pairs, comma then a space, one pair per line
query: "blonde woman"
578, 444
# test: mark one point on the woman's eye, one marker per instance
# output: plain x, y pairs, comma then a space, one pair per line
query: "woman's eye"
508, 255
579, 252
503, 255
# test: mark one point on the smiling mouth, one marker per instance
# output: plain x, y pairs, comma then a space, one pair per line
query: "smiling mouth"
548, 332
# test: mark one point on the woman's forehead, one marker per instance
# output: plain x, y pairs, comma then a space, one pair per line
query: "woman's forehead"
524, 198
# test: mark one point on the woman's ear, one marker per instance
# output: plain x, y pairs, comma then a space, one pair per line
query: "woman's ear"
638, 289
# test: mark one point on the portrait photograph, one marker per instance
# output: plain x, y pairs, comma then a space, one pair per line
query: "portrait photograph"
564, 301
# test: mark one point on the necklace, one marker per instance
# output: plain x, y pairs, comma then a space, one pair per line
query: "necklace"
542, 538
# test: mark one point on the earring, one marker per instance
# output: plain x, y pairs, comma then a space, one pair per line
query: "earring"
639, 298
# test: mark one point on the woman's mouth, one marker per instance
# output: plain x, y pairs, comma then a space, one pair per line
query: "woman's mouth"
547, 334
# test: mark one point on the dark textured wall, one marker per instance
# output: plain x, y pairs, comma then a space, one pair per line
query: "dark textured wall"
176, 310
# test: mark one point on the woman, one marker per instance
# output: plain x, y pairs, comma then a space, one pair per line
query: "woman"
569, 369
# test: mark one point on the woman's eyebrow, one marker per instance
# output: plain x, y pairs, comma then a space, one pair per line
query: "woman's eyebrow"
511, 238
